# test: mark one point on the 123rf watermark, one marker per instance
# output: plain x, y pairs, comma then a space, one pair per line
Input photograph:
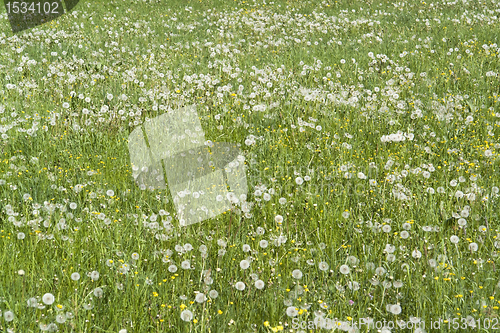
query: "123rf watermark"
463, 323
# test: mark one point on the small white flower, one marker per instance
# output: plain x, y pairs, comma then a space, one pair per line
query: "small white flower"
259, 284
473, 247
398, 284
380, 271
344, 269
186, 315
395, 309
432, 263
94, 275
200, 298
32, 302
244, 264
323, 266
240, 286
48, 298
292, 311
297, 274
98, 292
8, 315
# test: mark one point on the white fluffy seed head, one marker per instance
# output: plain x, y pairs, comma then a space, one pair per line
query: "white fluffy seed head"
48, 298
259, 284
240, 286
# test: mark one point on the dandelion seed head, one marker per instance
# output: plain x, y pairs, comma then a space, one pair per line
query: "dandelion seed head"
259, 284
48, 298
244, 264
186, 315
297, 274
344, 269
213, 294
8, 316
292, 311
323, 266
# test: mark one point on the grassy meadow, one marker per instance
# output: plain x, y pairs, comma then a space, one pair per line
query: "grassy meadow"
370, 131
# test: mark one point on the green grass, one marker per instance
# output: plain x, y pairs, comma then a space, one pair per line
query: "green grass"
338, 216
